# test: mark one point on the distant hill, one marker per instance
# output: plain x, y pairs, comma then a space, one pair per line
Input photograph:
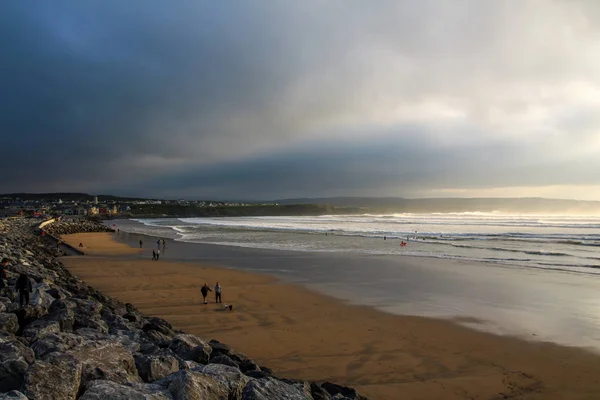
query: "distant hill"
445, 205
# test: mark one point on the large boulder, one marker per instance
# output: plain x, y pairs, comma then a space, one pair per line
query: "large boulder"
15, 358
156, 366
270, 388
62, 312
231, 377
221, 350
225, 360
192, 385
190, 347
41, 327
9, 322
105, 390
114, 321
41, 296
160, 339
131, 340
88, 315
57, 377
107, 359
160, 325
60, 342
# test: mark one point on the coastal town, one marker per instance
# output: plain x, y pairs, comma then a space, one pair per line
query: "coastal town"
88, 206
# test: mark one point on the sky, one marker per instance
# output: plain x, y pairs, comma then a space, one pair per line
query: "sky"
282, 99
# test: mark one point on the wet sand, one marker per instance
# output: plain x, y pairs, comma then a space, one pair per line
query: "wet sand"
306, 335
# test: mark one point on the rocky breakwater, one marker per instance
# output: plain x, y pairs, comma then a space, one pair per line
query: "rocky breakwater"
66, 227
72, 342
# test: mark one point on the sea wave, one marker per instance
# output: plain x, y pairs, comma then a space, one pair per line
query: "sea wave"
522, 241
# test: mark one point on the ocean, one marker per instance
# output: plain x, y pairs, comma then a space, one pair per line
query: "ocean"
570, 243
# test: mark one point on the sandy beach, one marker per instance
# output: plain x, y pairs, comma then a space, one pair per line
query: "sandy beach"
305, 335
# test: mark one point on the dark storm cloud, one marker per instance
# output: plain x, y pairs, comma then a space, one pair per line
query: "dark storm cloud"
194, 98
364, 167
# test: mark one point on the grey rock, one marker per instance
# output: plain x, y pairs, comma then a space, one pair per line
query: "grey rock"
159, 338
108, 390
190, 347
129, 339
8, 294
87, 306
57, 377
154, 367
225, 360
15, 358
91, 334
41, 327
114, 322
92, 323
9, 322
231, 377
346, 392
133, 317
270, 388
192, 385
61, 311
6, 337
258, 374
40, 296
13, 395
303, 386
318, 393
248, 365
60, 342
106, 360
221, 349
160, 325
3, 308
190, 365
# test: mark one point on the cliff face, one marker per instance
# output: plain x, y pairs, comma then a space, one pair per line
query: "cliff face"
72, 342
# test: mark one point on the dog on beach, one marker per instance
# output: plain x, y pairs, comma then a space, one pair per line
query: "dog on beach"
228, 306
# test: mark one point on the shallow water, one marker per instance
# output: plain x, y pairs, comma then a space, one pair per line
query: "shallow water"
546, 242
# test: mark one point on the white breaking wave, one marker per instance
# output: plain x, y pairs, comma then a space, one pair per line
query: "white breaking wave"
538, 241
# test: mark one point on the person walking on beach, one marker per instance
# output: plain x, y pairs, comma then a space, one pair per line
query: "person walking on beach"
218, 290
23, 286
3, 275
158, 244
157, 254
153, 255
141, 243
204, 290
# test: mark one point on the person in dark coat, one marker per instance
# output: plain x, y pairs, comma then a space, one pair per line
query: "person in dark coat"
23, 286
204, 290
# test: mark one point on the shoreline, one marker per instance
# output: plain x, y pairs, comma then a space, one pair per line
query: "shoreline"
539, 305
380, 354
